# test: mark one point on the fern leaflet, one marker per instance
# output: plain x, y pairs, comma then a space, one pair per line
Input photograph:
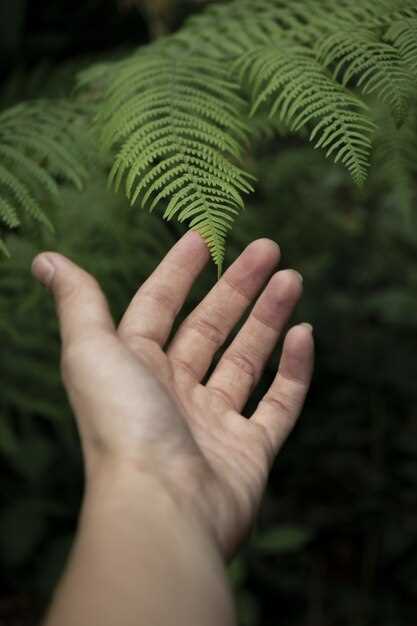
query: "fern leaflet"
39, 144
226, 31
375, 67
301, 93
395, 159
177, 127
403, 35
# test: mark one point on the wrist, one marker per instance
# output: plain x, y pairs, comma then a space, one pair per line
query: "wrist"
136, 545
139, 493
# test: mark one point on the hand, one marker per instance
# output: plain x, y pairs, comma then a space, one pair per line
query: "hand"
139, 403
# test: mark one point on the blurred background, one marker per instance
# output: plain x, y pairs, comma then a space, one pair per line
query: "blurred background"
336, 540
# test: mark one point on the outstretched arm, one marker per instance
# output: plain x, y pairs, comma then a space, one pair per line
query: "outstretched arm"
174, 473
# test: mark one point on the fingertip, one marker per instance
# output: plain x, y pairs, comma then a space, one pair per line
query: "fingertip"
189, 251
300, 336
253, 266
279, 298
263, 254
298, 353
43, 269
195, 237
81, 305
288, 281
47, 265
265, 249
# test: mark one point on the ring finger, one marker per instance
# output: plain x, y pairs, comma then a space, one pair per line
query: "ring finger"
241, 366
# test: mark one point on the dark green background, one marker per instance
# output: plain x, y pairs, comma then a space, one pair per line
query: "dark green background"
336, 541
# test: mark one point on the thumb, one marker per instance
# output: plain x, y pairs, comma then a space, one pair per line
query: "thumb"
81, 306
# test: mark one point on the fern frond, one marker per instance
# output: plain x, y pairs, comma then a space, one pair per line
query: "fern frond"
8, 214
362, 13
39, 145
177, 126
9, 217
301, 93
29, 168
175, 117
19, 194
375, 67
228, 30
395, 159
403, 35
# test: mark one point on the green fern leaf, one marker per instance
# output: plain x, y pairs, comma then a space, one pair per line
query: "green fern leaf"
8, 214
17, 192
395, 159
228, 30
300, 93
29, 168
375, 67
176, 127
174, 116
327, 14
40, 144
403, 35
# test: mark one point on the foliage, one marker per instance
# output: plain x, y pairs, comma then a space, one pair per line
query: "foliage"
302, 93
174, 115
403, 35
319, 547
40, 145
156, 110
335, 542
396, 163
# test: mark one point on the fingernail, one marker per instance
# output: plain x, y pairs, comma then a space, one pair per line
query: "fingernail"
300, 276
309, 326
43, 270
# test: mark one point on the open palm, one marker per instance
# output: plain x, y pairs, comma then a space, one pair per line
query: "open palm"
139, 397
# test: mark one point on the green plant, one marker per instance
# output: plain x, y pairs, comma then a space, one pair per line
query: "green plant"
175, 116
41, 146
351, 462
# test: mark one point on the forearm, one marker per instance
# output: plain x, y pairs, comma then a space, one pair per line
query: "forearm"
138, 560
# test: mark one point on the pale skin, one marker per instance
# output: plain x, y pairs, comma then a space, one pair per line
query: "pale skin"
174, 473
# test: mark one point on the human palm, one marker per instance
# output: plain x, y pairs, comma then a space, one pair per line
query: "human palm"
139, 399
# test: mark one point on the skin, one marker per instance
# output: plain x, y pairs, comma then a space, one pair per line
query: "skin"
152, 433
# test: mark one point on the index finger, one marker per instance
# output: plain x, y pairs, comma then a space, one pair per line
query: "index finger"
153, 310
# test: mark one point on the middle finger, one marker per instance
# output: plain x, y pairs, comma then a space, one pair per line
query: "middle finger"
207, 327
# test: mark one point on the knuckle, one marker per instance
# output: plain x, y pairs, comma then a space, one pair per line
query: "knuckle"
135, 338
75, 356
163, 298
224, 395
207, 329
281, 404
69, 290
243, 363
236, 288
298, 385
185, 367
